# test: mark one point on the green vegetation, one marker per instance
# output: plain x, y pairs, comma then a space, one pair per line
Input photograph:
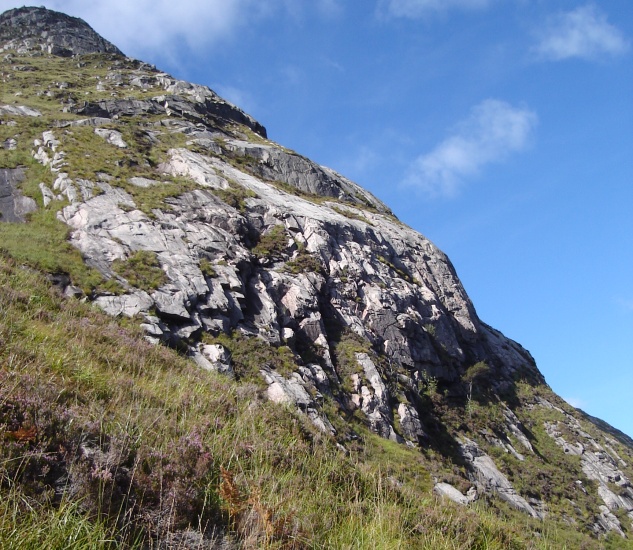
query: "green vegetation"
87, 155
26, 525
304, 262
400, 271
148, 199
348, 213
345, 350
249, 355
141, 269
247, 134
430, 329
235, 195
141, 434
273, 244
39, 80
427, 386
478, 370
43, 244
207, 268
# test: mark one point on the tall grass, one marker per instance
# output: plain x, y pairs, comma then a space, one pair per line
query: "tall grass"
27, 525
109, 441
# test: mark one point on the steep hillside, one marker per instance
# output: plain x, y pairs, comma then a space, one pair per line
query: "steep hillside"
328, 372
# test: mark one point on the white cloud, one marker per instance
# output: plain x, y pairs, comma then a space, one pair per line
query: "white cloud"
142, 26
418, 8
493, 130
583, 32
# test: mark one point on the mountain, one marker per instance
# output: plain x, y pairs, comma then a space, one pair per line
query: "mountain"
323, 372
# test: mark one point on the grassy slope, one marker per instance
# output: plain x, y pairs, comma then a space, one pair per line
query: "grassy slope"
106, 437
107, 440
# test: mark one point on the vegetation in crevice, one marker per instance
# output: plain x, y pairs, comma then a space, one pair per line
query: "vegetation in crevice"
273, 244
250, 354
156, 197
304, 262
207, 268
141, 269
351, 214
402, 272
345, 348
235, 195
292, 190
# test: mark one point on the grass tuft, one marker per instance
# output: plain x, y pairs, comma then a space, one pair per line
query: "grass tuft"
142, 270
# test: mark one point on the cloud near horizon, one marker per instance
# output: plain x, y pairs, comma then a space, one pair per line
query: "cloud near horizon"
418, 8
583, 32
492, 131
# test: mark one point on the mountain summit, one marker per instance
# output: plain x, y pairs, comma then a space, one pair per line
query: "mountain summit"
167, 207
54, 32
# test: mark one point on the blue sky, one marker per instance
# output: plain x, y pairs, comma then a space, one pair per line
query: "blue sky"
500, 129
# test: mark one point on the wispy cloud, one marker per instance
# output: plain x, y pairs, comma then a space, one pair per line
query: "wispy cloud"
242, 98
332, 64
330, 8
575, 402
419, 8
144, 26
358, 162
493, 130
292, 75
583, 32
625, 303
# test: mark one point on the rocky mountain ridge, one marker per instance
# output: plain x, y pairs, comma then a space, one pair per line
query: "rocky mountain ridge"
213, 236
24, 28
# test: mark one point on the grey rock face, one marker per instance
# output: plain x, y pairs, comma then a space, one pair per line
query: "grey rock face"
112, 137
199, 105
411, 424
293, 391
13, 205
600, 463
57, 33
448, 491
376, 277
486, 474
274, 163
372, 398
18, 110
